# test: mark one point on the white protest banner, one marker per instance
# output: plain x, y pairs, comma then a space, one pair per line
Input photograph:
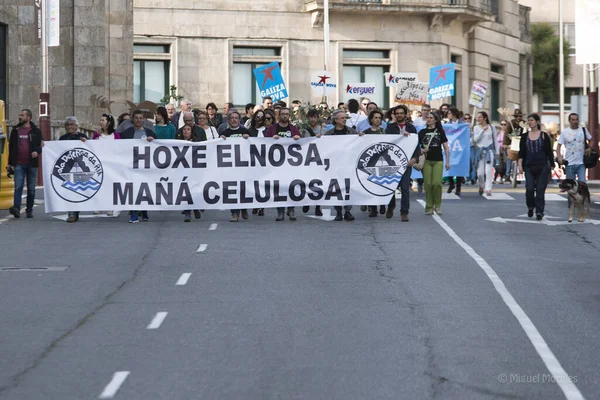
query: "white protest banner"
355, 90
53, 23
234, 173
412, 93
478, 94
392, 79
323, 83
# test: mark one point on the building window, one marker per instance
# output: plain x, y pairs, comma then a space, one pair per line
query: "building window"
151, 72
3, 66
495, 99
570, 37
498, 69
368, 66
245, 61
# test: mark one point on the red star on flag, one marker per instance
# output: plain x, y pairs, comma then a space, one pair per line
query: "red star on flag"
391, 78
323, 79
441, 74
268, 74
348, 88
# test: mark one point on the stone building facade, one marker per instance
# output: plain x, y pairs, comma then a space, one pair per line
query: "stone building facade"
92, 67
114, 51
209, 48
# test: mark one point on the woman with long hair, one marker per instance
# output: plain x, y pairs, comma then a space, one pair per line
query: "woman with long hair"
123, 117
536, 159
257, 124
163, 128
484, 137
269, 118
432, 139
107, 131
211, 131
107, 128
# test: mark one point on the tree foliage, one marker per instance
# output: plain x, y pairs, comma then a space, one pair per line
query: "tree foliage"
545, 52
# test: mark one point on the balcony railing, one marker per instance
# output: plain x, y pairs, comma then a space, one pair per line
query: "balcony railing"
524, 23
487, 6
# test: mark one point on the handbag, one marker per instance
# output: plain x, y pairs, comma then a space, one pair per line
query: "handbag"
419, 166
589, 160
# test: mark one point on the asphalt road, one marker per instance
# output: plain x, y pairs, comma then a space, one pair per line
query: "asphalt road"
312, 309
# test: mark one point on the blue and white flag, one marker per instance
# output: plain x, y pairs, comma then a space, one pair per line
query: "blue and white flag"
459, 142
441, 81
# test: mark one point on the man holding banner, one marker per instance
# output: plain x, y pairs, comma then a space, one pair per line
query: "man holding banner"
403, 127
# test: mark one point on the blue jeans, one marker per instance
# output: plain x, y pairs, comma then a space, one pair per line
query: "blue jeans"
575, 171
404, 186
475, 154
509, 165
23, 171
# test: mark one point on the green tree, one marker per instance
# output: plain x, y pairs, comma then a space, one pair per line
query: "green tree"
545, 52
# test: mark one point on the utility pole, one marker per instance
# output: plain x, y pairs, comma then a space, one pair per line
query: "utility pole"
561, 63
44, 95
325, 44
593, 173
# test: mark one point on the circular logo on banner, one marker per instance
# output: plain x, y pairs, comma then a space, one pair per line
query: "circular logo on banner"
380, 168
77, 175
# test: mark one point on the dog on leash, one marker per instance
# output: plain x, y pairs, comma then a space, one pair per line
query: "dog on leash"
579, 194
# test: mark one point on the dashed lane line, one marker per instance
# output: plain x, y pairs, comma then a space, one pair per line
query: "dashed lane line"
183, 279
202, 248
213, 227
115, 384
558, 373
157, 320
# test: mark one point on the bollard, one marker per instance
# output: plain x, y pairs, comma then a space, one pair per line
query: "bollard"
7, 186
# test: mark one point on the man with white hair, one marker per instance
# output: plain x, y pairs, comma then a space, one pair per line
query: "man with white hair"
170, 111
197, 131
177, 119
72, 126
340, 127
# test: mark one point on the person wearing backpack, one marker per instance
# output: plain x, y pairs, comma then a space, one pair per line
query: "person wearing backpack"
574, 139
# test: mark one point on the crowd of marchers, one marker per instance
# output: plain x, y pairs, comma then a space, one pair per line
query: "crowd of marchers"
493, 154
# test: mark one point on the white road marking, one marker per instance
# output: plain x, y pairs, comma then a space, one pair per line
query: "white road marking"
450, 196
326, 215
559, 374
183, 279
157, 320
498, 196
554, 197
113, 387
63, 217
202, 248
213, 227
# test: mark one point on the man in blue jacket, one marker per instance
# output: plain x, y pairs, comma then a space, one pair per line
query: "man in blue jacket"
403, 127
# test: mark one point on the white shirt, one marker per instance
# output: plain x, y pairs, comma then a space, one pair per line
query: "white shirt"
354, 119
364, 125
485, 137
574, 145
211, 133
419, 122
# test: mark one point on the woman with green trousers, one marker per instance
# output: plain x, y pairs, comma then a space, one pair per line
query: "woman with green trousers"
432, 139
